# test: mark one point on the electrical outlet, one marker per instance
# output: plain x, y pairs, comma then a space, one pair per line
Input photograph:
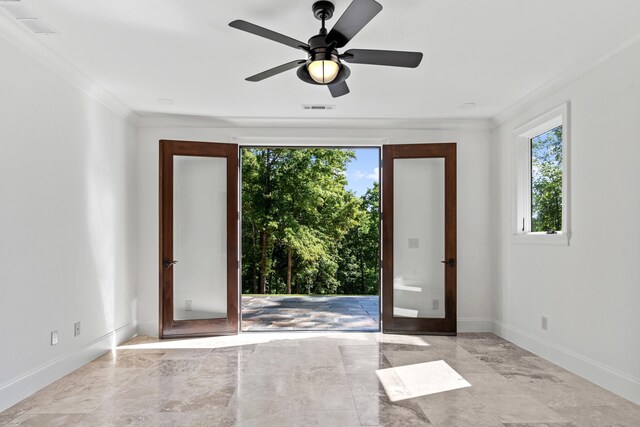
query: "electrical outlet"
545, 323
76, 329
188, 305
414, 243
435, 304
54, 337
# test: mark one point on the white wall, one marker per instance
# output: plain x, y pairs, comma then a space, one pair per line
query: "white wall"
474, 234
590, 290
68, 221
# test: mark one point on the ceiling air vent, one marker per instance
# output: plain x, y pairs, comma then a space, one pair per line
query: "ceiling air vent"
319, 107
26, 17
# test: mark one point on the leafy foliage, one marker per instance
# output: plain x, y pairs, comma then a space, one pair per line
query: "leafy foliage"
546, 181
303, 231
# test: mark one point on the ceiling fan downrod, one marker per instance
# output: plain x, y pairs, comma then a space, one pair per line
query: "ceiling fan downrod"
323, 11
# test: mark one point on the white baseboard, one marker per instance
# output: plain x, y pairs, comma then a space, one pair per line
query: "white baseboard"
475, 324
24, 385
596, 372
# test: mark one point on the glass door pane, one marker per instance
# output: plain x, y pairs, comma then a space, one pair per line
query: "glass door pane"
199, 237
418, 238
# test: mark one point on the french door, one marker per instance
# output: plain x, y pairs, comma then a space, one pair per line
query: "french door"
198, 239
419, 239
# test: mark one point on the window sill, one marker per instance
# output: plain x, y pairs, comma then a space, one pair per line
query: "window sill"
541, 239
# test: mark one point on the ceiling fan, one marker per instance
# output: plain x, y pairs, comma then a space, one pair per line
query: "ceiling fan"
323, 65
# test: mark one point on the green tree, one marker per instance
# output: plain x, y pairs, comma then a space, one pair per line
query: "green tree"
359, 264
312, 206
259, 216
296, 214
546, 181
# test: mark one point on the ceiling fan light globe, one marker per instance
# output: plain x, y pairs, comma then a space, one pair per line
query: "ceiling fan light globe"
323, 71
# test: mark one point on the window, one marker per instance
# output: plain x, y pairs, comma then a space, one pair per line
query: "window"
546, 182
542, 191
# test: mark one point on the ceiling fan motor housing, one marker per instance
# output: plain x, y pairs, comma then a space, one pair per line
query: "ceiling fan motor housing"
321, 51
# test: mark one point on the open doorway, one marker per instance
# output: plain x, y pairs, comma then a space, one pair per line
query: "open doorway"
310, 238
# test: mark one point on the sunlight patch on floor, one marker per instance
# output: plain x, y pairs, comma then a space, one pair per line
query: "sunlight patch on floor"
246, 338
416, 340
406, 382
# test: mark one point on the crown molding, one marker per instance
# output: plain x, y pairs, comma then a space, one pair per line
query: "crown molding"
29, 43
556, 84
188, 121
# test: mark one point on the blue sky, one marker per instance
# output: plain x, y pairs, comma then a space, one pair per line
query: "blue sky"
362, 172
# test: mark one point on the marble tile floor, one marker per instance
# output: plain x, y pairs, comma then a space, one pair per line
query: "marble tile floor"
318, 313
317, 379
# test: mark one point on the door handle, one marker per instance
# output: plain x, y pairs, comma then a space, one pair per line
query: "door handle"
451, 262
167, 263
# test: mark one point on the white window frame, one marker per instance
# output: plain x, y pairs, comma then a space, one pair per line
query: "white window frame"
559, 116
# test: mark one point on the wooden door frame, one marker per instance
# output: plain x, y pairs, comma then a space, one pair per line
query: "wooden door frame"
169, 328
390, 323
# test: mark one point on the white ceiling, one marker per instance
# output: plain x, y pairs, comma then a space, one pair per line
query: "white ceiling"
489, 52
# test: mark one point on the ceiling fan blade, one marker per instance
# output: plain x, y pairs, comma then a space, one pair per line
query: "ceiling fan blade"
268, 34
276, 70
392, 58
357, 15
339, 89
